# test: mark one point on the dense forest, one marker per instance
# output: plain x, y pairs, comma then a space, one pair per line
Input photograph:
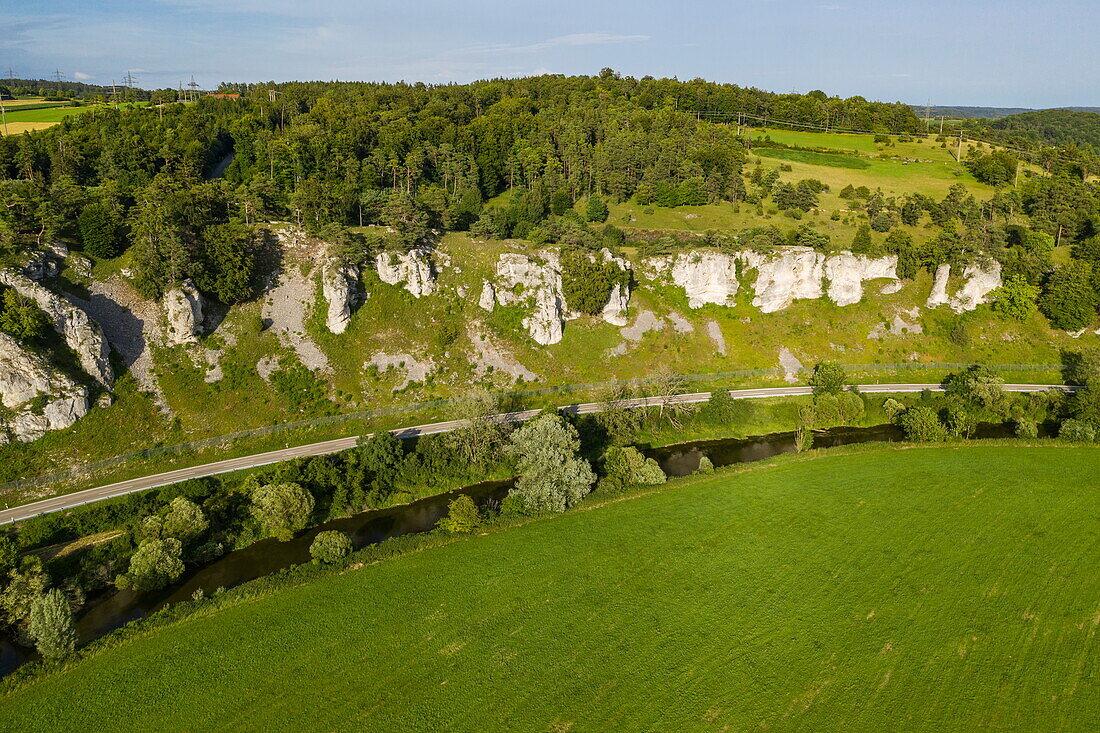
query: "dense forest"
1054, 127
418, 158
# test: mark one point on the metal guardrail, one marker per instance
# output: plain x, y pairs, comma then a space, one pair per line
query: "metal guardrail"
364, 415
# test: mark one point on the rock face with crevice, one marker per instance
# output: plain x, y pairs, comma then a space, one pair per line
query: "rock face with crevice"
526, 280
783, 276
24, 376
618, 300
183, 314
413, 269
488, 298
340, 287
979, 280
846, 273
82, 334
706, 277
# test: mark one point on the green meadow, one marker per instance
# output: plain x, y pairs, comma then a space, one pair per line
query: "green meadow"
869, 589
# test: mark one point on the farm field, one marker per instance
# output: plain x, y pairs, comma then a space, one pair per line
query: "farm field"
22, 120
866, 589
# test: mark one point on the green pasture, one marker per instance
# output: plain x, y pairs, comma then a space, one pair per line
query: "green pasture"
871, 589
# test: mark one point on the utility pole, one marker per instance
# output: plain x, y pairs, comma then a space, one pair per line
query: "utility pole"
941, 124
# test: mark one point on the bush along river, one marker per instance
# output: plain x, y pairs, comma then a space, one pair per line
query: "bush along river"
114, 610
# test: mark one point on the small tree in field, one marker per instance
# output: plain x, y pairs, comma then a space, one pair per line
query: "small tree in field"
51, 625
922, 425
282, 509
462, 516
596, 210
330, 546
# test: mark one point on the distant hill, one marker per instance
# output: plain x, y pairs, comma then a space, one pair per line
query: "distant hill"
1055, 126
985, 113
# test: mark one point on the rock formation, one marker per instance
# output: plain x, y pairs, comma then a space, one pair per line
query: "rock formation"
183, 314
81, 333
521, 279
706, 277
846, 273
413, 269
488, 299
614, 312
787, 275
23, 377
339, 284
938, 296
981, 279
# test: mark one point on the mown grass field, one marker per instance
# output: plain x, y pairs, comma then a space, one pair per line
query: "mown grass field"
870, 589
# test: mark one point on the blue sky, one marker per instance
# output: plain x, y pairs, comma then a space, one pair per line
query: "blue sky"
979, 52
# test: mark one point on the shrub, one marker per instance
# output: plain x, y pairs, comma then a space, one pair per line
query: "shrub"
462, 516
330, 546
596, 209
828, 378
1027, 429
623, 467
922, 425
1077, 431
587, 284
705, 465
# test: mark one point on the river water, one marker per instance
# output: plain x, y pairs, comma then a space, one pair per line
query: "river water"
262, 558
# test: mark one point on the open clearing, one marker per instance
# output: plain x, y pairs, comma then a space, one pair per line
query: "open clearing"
916, 589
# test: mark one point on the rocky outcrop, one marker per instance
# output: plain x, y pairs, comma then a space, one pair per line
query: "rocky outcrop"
81, 333
846, 273
706, 277
413, 269
787, 275
522, 279
614, 312
340, 286
938, 296
488, 299
25, 376
981, 280
183, 316
782, 277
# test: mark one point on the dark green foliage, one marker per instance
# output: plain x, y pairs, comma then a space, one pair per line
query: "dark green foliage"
330, 546
228, 262
1015, 299
862, 243
596, 209
828, 378
586, 283
922, 425
900, 243
1077, 431
101, 231
1068, 298
21, 318
997, 168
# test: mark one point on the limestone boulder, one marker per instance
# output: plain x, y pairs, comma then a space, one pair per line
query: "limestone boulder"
784, 276
183, 314
413, 270
340, 287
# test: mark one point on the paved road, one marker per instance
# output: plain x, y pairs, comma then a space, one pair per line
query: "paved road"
129, 486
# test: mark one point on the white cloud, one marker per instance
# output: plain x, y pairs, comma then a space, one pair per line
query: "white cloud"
81, 76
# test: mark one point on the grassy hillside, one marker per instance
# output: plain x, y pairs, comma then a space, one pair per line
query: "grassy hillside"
921, 589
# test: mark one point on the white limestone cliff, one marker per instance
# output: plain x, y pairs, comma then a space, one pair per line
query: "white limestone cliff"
82, 334
846, 273
340, 287
23, 377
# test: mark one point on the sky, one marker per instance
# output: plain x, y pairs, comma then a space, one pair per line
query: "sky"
1008, 53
